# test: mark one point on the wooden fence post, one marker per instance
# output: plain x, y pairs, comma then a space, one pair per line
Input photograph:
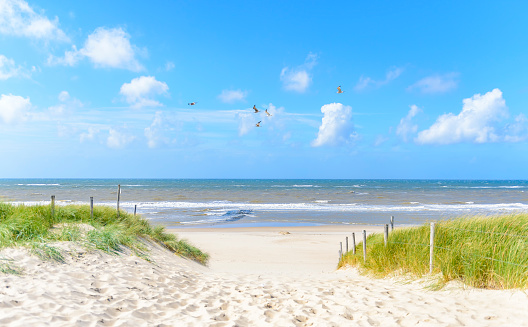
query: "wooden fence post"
91, 207
135, 208
346, 247
354, 243
364, 245
431, 248
386, 234
118, 198
392, 223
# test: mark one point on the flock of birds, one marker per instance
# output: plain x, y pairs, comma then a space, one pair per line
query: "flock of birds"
266, 111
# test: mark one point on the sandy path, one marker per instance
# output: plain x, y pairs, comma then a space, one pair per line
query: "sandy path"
275, 285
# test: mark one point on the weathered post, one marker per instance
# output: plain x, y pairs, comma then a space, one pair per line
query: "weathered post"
346, 243
431, 248
386, 234
118, 198
392, 223
354, 243
91, 207
340, 250
364, 245
135, 208
53, 206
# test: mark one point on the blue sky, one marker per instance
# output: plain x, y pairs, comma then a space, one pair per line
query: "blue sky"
101, 89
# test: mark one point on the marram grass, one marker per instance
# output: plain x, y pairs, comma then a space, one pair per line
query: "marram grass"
36, 227
483, 252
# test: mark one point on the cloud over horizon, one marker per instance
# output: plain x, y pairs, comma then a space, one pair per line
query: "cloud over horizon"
406, 127
141, 90
105, 48
336, 126
13, 108
477, 122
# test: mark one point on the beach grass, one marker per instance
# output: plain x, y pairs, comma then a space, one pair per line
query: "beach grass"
480, 251
38, 227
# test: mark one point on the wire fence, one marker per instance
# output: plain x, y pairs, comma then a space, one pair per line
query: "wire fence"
432, 246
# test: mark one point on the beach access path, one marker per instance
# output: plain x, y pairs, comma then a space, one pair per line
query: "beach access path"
256, 277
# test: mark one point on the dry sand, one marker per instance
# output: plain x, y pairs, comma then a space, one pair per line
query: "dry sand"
256, 277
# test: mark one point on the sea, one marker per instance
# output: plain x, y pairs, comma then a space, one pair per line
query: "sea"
279, 202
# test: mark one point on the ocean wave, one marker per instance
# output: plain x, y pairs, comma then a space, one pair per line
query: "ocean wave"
229, 216
54, 184
220, 208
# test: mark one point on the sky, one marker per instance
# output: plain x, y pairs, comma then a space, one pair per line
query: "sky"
102, 89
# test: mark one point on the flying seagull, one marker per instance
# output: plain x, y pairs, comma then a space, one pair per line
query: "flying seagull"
258, 124
255, 108
267, 113
339, 89
192, 103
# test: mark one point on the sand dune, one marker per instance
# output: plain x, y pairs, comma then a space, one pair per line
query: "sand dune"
256, 277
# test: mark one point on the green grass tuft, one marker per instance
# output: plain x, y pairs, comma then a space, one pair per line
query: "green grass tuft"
35, 226
483, 252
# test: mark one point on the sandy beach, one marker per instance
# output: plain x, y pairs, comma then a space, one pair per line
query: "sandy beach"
266, 276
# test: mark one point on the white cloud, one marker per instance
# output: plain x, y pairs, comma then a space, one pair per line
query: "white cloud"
117, 139
153, 133
475, 123
231, 96
9, 69
104, 48
13, 108
67, 104
518, 131
406, 127
436, 83
139, 92
299, 79
246, 122
365, 82
89, 135
19, 19
336, 127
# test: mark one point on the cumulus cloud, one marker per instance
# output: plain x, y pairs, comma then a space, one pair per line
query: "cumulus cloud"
436, 83
141, 90
406, 128
365, 81
336, 127
9, 69
19, 19
231, 96
117, 139
105, 48
13, 108
475, 123
299, 79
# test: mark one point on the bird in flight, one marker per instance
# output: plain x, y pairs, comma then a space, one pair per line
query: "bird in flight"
258, 124
255, 108
192, 103
339, 89
267, 113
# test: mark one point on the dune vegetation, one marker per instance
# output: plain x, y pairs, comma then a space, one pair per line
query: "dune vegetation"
39, 227
483, 252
